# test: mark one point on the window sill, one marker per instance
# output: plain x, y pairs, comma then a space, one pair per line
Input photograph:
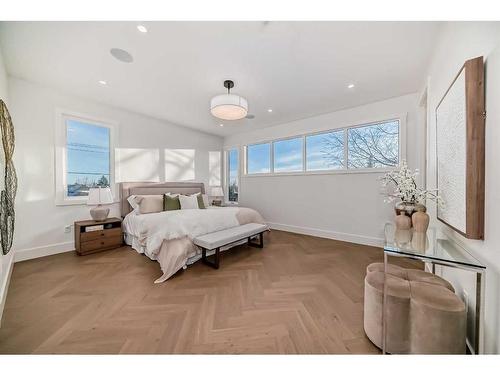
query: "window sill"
331, 172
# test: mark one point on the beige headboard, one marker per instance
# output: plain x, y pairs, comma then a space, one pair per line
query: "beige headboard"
152, 188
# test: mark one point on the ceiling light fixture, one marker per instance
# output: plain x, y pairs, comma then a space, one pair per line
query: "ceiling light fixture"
142, 28
104, 83
350, 86
221, 125
270, 110
229, 106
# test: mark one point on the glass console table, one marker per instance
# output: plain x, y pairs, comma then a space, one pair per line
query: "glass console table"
435, 248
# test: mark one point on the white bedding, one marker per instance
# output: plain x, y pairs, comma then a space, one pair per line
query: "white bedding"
167, 236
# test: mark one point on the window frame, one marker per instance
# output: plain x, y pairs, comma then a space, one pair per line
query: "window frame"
271, 159
226, 175
401, 118
321, 171
303, 169
62, 198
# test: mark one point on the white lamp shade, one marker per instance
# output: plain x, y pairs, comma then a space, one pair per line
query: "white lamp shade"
229, 107
99, 196
216, 191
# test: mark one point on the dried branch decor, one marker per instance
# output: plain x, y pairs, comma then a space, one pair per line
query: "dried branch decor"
8, 193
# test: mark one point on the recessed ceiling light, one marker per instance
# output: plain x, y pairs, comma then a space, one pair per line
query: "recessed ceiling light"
221, 125
142, 28
270, 110
121, 55
350, 86
104, 83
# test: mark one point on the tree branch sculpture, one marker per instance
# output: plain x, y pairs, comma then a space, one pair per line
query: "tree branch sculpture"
8, 193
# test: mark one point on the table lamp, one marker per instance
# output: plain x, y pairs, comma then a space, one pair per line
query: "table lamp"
98, 197
217, 192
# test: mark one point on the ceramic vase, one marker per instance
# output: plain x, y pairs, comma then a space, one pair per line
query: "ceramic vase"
403, 222
420, 242
420, 221
408, 208
402, 237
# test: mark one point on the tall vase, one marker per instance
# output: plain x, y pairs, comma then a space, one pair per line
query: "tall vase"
403, 222
408, 208
420, 221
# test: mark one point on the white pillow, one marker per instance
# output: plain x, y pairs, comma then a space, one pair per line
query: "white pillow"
148, 204
133, 204
188, 202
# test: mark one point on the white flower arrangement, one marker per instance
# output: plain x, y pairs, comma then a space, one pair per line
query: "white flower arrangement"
405, 187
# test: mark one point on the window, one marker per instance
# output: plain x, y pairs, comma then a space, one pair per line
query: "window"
259, 158
232, 183
325, 151
84, 157
374, 146
87, 157
362, 148
287, 155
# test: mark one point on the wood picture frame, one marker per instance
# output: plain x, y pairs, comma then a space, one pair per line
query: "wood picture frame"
460, 151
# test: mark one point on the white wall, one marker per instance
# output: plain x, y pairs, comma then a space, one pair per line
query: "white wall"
3, 79
39, 222
345, 206
459, 42
5, 260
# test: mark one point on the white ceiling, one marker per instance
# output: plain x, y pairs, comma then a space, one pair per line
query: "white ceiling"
299, 69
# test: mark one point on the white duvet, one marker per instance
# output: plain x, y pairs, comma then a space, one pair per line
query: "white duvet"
167, 236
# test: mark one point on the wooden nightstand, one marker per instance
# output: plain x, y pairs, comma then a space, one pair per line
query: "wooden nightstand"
107, 236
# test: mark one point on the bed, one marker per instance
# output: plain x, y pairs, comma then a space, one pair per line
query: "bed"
167, 236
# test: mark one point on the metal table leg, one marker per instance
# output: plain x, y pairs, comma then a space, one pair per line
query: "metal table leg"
384, 306
479, 324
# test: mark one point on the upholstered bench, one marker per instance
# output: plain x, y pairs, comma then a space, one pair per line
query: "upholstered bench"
424, 315
216, 240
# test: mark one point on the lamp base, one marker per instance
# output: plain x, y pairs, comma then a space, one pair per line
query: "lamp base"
99, 213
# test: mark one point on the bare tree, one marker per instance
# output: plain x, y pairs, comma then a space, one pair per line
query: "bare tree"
368, 146
333, 149
233, 192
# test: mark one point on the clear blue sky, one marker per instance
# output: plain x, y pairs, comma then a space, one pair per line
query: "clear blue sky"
233, 166
87, 151
288, 155
259, 158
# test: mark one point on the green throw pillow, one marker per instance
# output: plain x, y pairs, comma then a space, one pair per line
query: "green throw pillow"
171, 203
201, 204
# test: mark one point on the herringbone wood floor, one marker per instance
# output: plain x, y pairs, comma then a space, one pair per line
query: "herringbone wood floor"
299, 294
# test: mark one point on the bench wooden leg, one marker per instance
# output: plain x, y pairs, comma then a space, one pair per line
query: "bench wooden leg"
215, 263
259, 244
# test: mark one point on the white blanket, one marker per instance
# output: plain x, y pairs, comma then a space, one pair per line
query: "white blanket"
167, 236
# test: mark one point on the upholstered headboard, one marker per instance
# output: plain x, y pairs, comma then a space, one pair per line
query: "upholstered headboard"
153, 188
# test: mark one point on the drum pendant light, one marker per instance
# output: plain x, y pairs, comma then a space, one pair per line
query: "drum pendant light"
229, 106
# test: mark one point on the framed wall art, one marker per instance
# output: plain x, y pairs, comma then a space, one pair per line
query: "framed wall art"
460, 139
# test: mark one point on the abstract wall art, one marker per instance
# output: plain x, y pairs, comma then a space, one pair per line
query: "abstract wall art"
460, 133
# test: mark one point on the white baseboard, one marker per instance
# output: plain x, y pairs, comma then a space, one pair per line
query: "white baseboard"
4, 284
42, 251
348, 237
